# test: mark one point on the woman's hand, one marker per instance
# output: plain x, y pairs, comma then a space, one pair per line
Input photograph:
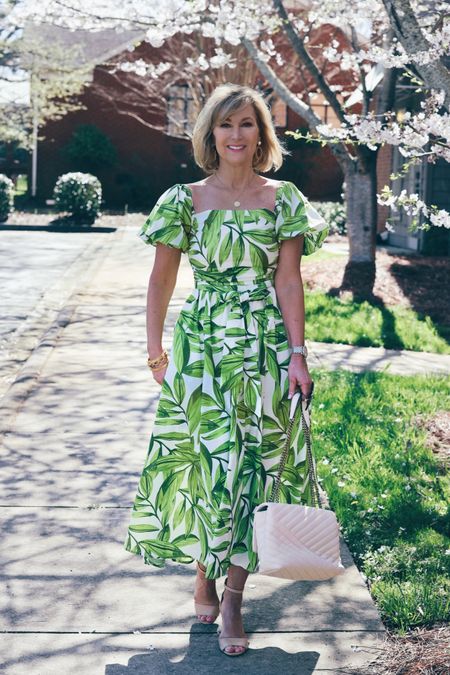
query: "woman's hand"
159, 374
156, 353
299, 376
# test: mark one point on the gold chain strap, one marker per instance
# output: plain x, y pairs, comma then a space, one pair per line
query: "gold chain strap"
312, 475
274, 495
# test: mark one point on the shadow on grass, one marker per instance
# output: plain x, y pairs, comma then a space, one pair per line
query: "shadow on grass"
426, 284
359, 280
424, 281
389, 336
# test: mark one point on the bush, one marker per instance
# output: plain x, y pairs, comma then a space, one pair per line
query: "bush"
89, 149
80, 195
6, 197
334, 214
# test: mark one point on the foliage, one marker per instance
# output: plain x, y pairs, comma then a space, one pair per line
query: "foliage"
90, 149
410, 580
334, 214
6, 197
80, 195
41, 77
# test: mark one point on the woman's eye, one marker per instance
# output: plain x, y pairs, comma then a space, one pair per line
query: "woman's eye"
244, 124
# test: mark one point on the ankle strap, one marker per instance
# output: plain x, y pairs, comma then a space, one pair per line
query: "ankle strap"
233, 590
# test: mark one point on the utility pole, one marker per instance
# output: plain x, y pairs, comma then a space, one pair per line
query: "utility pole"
34, 151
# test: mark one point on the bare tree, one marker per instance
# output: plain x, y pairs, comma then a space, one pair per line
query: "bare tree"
144, 82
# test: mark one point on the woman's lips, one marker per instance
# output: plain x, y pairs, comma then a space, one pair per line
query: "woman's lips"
236, 148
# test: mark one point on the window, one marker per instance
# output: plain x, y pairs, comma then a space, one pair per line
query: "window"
278, 109
180, 111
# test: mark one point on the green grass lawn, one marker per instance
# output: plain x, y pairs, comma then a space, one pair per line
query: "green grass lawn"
329, 319
390, 493
21, 186
322, 254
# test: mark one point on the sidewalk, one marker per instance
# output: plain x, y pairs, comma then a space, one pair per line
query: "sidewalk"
76, 424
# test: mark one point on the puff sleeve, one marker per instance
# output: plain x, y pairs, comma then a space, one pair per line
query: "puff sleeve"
169, 222
296, 216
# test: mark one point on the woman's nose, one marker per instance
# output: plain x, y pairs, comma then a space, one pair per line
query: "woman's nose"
235, 133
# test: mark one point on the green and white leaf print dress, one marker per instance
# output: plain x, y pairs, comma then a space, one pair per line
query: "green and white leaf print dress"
223, 410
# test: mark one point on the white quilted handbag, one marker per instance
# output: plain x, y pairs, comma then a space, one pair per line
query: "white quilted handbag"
295, 541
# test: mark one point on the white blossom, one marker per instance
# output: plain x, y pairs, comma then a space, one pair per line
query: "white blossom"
420, 135
440, 218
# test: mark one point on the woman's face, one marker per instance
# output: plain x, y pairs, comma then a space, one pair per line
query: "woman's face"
237, 136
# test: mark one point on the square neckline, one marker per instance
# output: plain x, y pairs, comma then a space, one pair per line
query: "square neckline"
199, 213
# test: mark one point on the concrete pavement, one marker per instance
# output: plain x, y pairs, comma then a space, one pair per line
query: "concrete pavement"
39, 271
76, 421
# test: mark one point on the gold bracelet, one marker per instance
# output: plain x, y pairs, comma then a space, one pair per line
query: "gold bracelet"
161, 359
160, 367
158, 358
155, 364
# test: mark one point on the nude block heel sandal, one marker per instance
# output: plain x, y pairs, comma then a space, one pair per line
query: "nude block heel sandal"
207, 610
232, 641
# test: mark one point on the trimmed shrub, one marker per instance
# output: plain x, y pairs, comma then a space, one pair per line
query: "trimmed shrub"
334, 214
6, 197
80, 195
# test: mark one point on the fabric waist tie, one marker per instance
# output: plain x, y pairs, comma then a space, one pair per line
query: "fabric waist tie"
240, 290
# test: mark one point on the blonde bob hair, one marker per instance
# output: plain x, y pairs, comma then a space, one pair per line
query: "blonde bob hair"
225, 100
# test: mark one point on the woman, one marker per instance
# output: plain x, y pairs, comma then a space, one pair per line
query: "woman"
237, 356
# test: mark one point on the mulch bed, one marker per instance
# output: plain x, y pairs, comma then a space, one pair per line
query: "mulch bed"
437, 429
421, 283
422, 651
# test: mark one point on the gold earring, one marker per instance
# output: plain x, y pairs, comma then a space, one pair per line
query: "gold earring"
258, 154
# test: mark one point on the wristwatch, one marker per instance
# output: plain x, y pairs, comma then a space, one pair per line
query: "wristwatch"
300, 349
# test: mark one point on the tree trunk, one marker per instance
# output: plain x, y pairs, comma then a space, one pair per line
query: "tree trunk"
360, 192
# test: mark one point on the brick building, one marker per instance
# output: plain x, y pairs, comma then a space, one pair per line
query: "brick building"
150, 159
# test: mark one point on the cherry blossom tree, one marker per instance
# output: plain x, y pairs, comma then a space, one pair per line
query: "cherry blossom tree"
424, 36
374, 42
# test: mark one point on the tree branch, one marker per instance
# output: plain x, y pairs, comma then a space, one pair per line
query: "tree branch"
304, 56
408, 31
297, 105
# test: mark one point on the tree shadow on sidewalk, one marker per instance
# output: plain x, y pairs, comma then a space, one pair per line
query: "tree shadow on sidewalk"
203, 657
